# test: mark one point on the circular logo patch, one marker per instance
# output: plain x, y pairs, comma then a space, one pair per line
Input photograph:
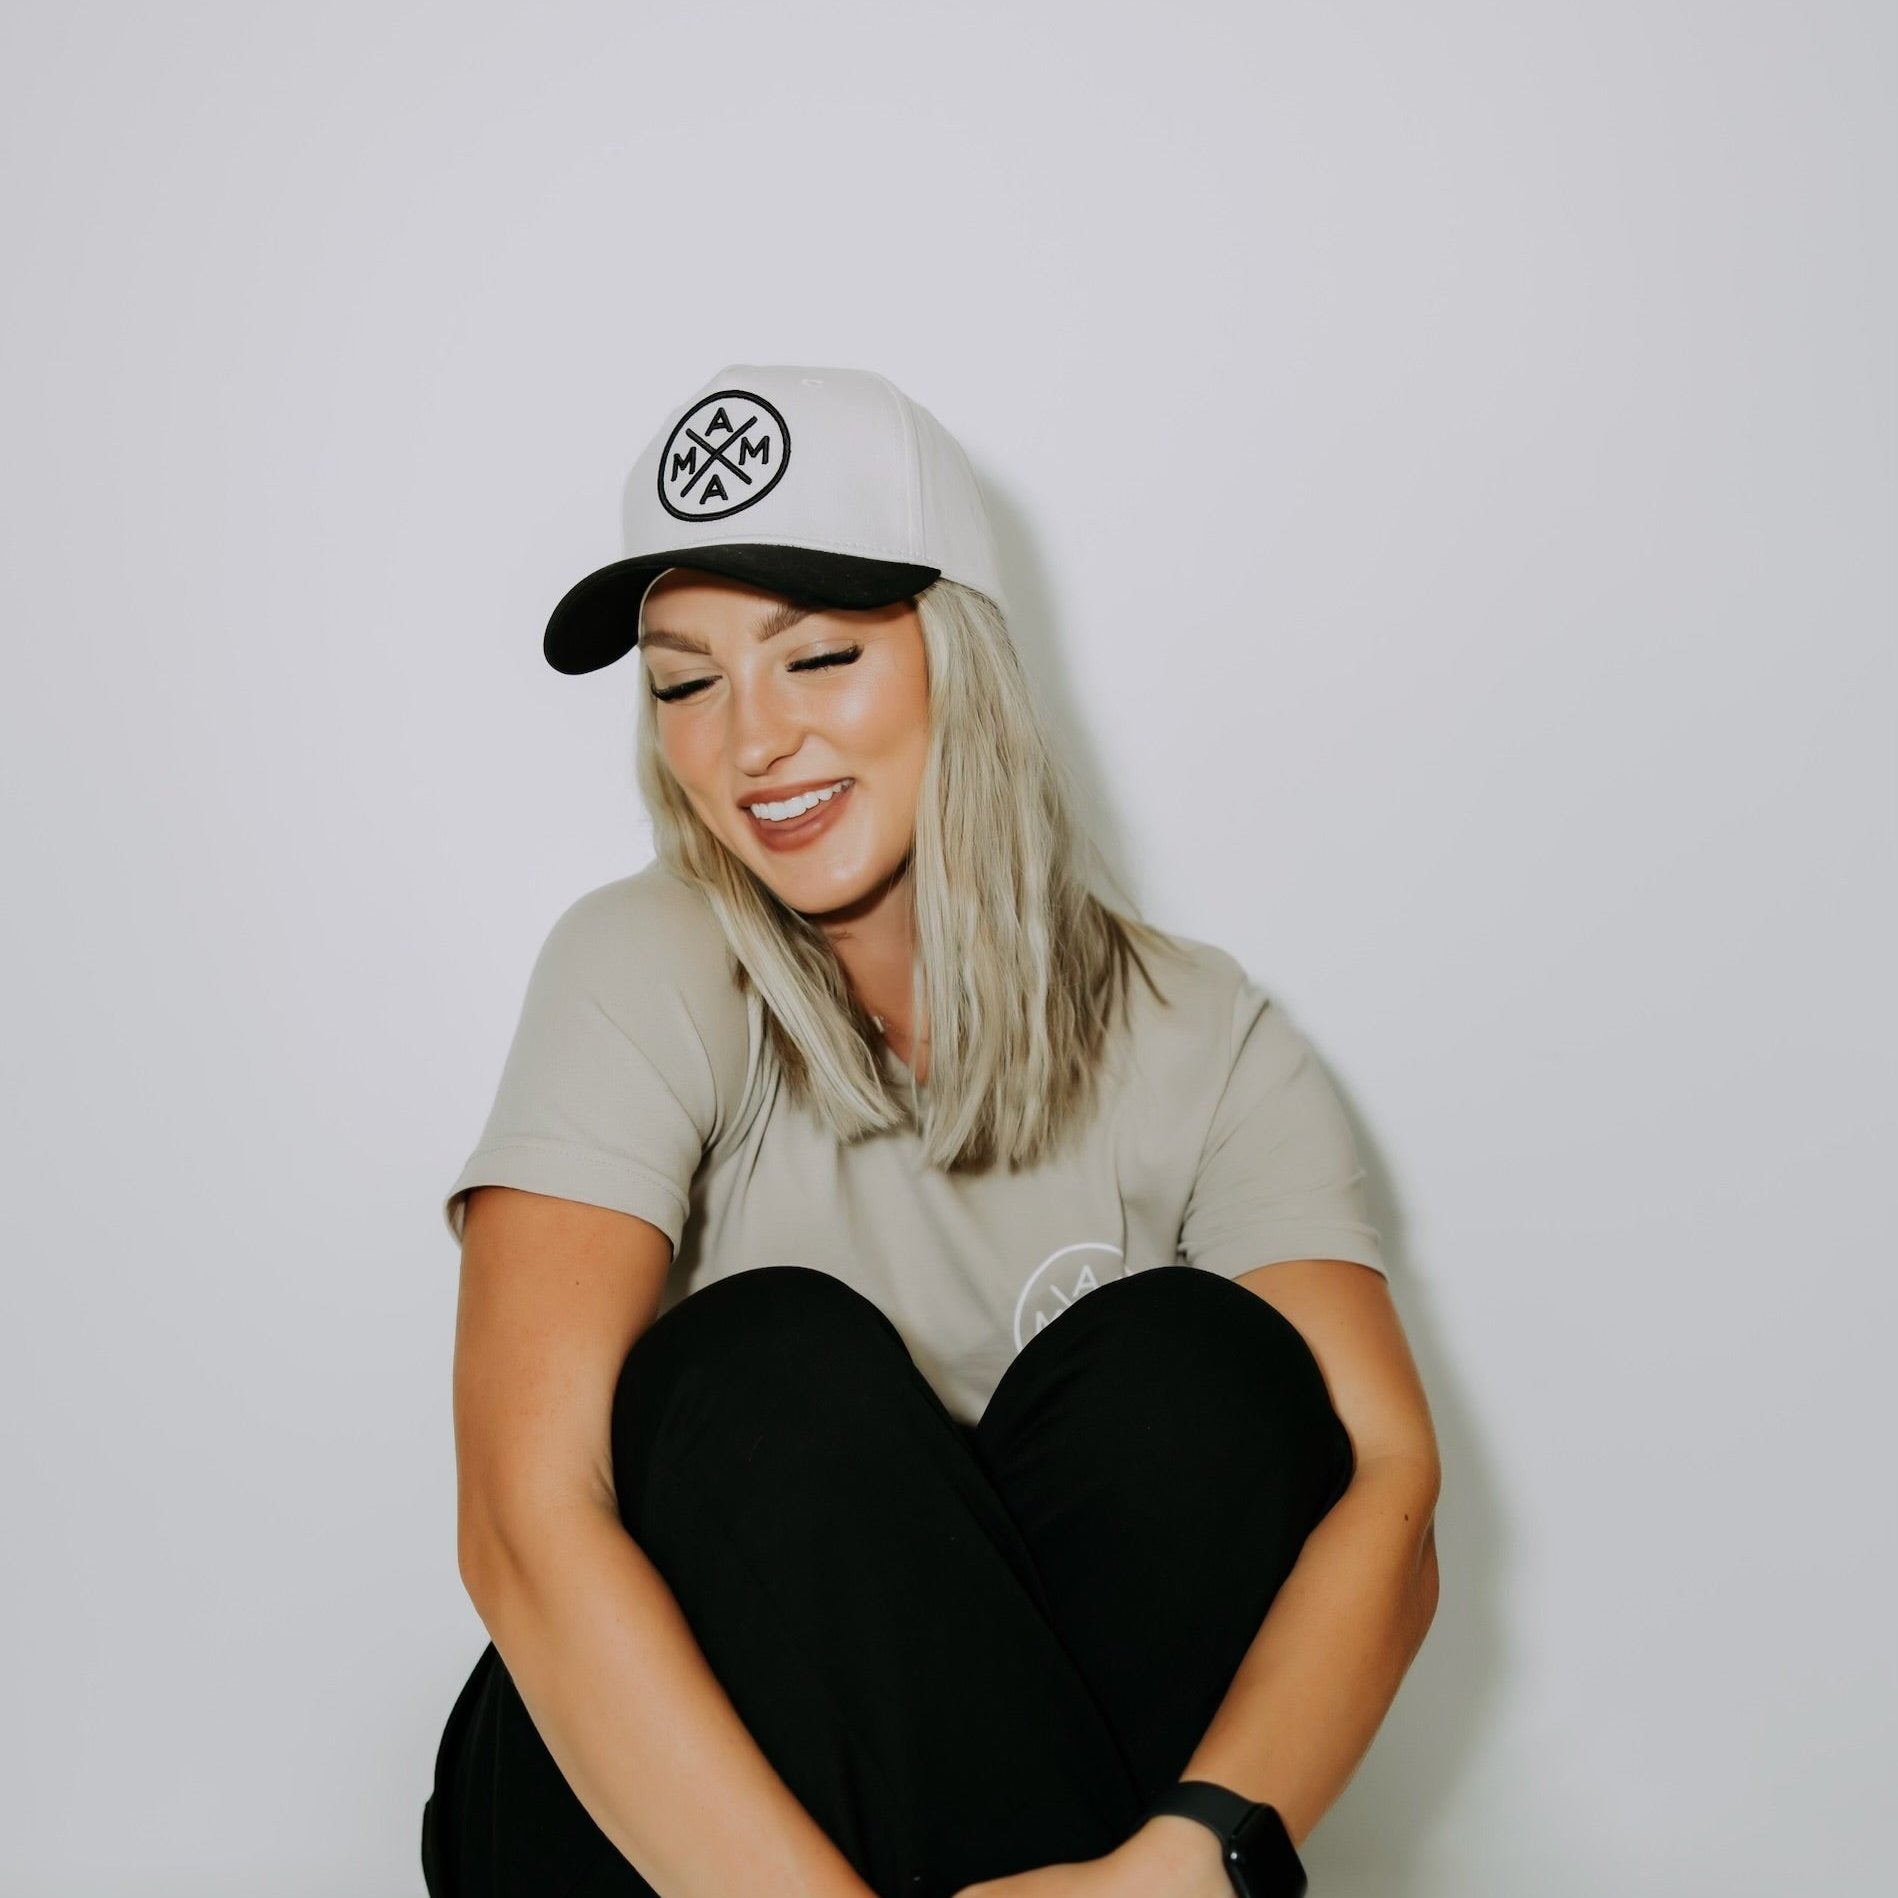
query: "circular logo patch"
726, 454
1061, 1278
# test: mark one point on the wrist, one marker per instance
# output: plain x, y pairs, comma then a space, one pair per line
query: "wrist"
1172, 1856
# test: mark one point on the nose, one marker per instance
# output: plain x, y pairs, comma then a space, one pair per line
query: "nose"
764, 727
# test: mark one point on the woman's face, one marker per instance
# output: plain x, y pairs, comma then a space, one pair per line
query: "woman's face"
762, 702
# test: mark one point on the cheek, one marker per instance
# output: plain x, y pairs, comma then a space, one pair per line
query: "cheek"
688, 755
887, 715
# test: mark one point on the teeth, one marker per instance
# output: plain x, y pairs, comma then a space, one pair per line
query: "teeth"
797, 806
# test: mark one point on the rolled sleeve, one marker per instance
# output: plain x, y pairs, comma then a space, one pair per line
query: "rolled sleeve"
610, 1093
1279, 1176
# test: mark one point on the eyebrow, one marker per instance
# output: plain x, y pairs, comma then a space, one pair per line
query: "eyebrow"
785, 614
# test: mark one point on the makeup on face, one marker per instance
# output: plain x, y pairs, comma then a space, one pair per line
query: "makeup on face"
770, 737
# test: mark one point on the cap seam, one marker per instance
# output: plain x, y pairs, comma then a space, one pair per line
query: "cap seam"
914, 456
831, 544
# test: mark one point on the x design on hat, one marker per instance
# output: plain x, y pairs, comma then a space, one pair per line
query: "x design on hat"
829, 485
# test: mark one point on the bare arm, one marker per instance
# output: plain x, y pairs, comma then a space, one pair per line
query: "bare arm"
1317, 1681
553, 1295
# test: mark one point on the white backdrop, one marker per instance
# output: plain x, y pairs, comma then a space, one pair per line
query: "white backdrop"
1445, 463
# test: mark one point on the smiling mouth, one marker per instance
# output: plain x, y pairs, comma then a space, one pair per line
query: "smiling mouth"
826, 794
817, 816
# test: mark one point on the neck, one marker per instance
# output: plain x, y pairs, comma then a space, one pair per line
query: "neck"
874, 940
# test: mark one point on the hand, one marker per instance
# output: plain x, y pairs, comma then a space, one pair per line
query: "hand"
1085, 1878
1171, 1856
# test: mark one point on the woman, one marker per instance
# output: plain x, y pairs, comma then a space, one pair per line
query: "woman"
930, 1418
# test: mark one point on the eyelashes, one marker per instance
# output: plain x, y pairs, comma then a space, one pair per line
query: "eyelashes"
849, 656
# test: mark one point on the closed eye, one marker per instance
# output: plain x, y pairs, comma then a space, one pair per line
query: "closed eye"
848, 656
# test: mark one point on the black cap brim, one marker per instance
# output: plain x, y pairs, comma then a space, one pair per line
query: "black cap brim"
597, 620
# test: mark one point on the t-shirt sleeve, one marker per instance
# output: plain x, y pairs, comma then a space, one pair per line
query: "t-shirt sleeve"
626, 1060
1279, 1175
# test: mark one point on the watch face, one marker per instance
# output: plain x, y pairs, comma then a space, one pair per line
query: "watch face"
1262, 1862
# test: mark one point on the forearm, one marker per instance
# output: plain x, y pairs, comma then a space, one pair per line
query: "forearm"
643, 1730
1320, 1675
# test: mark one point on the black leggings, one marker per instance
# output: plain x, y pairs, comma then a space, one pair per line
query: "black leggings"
967, 1650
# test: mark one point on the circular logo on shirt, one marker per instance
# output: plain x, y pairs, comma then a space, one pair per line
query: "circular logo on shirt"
725, 455
1061, 1278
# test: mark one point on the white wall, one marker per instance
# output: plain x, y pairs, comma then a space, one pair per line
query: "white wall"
1445, 462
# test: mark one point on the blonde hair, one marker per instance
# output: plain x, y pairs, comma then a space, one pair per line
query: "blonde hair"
1019, 965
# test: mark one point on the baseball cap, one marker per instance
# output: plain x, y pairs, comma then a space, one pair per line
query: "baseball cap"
829, 485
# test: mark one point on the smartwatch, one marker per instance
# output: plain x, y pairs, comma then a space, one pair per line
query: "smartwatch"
1253, 1841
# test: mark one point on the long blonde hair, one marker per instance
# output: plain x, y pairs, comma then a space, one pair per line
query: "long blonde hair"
1019, 965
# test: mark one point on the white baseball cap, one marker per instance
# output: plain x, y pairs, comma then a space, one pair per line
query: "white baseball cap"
828, 485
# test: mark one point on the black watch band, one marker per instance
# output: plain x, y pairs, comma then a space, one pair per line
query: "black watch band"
1257, 1850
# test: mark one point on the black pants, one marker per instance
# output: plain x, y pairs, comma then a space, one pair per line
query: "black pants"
967, 1650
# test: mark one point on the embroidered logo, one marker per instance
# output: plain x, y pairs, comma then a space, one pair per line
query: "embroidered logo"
1061, 1278
726, 454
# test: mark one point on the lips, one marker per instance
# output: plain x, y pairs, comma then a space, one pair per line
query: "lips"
785, 792
794, 832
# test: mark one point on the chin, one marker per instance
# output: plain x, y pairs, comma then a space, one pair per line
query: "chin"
815, 890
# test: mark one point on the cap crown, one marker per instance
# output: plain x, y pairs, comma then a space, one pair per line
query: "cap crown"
790, 455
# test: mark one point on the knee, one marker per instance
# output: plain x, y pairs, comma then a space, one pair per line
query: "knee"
753, 1321
1216, 1347
770, 1345
1204, 1319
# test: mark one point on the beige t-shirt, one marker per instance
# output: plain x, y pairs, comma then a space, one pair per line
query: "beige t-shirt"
640, 1078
